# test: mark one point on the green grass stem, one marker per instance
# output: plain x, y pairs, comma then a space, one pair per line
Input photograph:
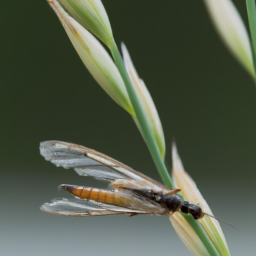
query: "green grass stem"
153, 147
135, 100
197, 227
251, 11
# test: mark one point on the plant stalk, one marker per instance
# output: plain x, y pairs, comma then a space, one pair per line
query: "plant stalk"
153, 147
135, 100
251, 11
197, 227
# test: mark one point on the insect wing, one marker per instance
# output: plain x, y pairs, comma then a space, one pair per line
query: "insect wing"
131, 200
144, 185
83, 208
88, 162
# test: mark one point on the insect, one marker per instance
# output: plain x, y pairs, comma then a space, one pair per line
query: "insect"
132, 192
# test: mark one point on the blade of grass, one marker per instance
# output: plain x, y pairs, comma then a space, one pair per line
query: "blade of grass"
153, 147
251, 11
135, 100
197, 227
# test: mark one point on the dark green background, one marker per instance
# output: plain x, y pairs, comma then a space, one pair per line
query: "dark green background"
204, 97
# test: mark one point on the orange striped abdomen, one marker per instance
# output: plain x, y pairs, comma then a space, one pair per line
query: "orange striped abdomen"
101, 195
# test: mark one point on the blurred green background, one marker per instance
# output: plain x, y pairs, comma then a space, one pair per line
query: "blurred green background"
204, 98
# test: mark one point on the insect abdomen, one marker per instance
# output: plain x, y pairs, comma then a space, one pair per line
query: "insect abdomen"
95, 194
98, 195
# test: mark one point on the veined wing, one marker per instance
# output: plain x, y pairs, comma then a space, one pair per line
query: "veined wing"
88, 162
83, 208
144, 185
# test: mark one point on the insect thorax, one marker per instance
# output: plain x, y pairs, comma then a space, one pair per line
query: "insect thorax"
171, 202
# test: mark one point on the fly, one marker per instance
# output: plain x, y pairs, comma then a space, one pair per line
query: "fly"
132, 192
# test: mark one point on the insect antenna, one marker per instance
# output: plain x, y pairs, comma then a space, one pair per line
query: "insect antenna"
209, 215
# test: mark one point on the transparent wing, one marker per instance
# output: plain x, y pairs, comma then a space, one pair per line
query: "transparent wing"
88, 162
83, 208
138, 202
141, 185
